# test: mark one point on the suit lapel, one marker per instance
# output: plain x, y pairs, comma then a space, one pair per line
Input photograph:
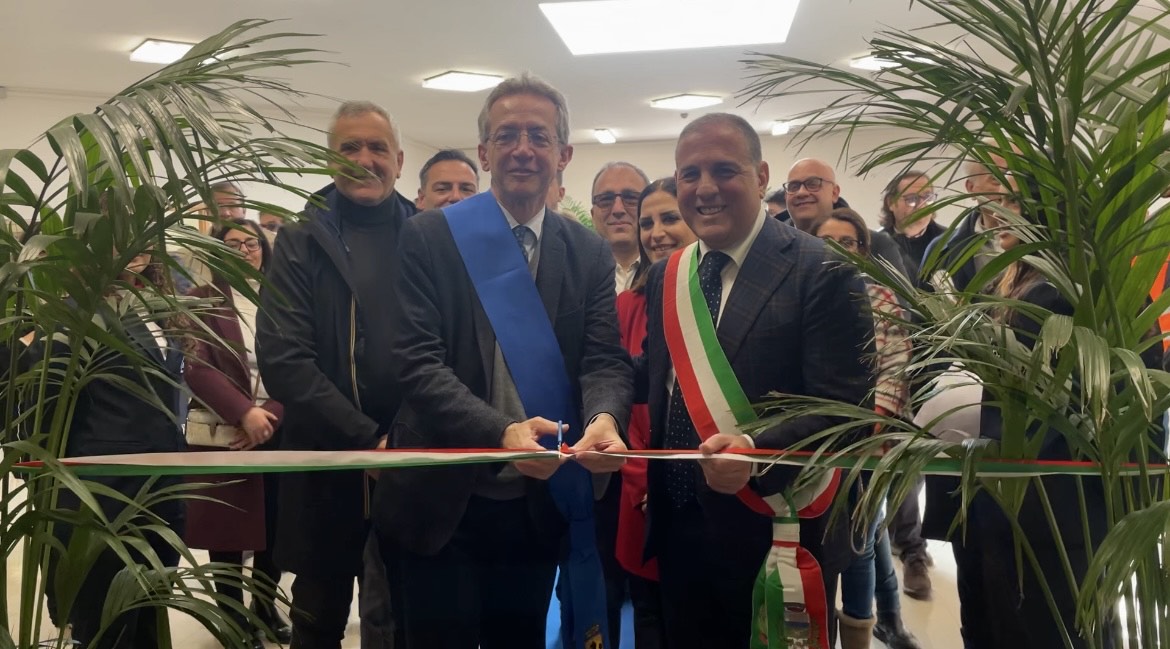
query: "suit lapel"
764, 269
550, 272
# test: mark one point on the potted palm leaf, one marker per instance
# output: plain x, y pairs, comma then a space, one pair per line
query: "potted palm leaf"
1073, 97
109, 187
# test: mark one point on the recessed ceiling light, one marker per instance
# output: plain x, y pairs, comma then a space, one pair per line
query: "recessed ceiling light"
156, 51
462, 81
604, 135
686, 102
872, 63
780, 128
588, 27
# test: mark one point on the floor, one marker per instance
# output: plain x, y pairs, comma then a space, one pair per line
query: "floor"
936, 623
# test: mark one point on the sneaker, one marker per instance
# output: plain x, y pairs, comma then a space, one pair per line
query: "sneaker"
915, 580
895, 635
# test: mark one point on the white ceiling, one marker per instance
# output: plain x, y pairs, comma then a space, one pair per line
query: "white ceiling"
387, 47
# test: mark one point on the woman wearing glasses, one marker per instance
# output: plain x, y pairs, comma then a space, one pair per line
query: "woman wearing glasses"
903, 202
223, 375
661, 231
871, 574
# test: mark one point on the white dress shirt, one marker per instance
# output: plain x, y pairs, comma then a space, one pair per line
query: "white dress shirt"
624, 277
536, 224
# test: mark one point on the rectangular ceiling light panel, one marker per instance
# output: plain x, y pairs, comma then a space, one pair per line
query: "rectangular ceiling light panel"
604, 26
156, 51
686, 102
463, 81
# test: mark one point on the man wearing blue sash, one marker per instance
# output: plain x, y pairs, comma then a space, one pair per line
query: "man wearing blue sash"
506, 326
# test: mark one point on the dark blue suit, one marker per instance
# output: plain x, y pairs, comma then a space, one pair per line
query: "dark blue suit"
794, 324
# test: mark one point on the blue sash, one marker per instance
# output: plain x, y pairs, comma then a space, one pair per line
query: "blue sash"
524, 332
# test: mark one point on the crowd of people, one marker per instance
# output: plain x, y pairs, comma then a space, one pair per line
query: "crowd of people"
462, 319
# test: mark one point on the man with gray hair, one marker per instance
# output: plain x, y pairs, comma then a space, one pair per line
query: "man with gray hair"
616, 189
505, 327
324, 351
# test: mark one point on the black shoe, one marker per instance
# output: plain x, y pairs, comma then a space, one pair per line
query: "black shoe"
274, 619
894, 634
256, 640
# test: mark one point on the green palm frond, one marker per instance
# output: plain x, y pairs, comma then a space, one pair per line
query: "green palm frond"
1073, 96
118, 182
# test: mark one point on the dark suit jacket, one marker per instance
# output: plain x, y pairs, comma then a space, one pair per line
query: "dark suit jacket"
108, 419
792, 324
444, 349
322, 360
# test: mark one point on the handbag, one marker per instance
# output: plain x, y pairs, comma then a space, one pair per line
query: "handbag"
205, 428
954, 408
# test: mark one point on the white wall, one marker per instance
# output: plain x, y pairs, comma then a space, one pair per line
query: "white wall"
657, 160
24, 116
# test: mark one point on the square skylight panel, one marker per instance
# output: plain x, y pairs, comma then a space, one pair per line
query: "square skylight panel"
596, 26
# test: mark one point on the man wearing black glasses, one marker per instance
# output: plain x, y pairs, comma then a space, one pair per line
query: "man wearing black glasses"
615, 215
813, 192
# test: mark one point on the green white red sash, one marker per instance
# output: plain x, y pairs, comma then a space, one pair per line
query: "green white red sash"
791, 611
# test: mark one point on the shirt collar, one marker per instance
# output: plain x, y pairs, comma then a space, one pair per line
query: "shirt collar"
633, 265
536, 223
739, 251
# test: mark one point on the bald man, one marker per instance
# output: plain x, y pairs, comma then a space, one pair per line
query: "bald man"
813, 192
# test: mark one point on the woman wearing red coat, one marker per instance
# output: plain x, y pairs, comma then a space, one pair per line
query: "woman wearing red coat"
661, 232
225, 379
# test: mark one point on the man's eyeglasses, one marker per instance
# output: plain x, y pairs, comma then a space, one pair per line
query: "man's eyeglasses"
848, 243
813, 184
914, 201
605, 200
506, 138
271, 226
252, 245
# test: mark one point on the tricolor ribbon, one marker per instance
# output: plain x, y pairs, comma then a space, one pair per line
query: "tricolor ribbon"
248, 462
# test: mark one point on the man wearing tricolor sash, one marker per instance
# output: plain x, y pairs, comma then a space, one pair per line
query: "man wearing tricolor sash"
751, 308
507, 327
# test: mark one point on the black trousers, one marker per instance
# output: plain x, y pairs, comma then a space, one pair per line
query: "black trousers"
906, 526
649, 624
134, 629
320, 610
705, 605
996, 611
489, 587
605, 514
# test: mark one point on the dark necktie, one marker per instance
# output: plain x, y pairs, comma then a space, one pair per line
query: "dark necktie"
680, 431
523, 232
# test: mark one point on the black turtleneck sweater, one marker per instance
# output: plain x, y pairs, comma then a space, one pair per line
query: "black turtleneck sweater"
370, 235
914, 248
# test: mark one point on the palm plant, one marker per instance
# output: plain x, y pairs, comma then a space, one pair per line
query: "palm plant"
119, 182
1072, 94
